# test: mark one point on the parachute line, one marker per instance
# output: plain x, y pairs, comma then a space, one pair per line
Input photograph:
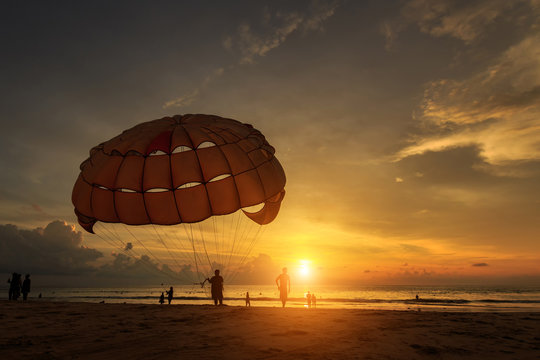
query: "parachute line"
204, 246
145, 262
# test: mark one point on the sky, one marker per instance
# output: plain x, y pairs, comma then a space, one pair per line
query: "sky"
409, 131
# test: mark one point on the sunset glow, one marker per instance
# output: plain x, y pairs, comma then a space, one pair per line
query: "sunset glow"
408, 135
304, 269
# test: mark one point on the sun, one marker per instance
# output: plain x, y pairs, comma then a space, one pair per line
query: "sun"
304, 268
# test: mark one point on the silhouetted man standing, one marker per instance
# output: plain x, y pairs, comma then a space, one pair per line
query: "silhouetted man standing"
283, 283
26, 287
217, 288
170, 295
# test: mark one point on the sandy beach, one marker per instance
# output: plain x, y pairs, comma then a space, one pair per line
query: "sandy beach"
61, 330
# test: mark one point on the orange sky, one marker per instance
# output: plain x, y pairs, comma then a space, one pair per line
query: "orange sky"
409, 131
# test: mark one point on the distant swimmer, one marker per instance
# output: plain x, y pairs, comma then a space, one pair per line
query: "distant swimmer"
170, 294
217, 288
283, 283
248, 302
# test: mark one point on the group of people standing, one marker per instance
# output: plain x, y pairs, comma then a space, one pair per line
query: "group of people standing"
17, 286
283, 282
311, 300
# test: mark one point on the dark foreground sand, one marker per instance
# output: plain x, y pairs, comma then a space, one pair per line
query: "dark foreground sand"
48, 330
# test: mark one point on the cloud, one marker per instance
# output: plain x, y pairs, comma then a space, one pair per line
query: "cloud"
466, 21
497, 109
480, 264
188, 99
259, 270
183, 100
140, 270
448, 18
408, 248
56, 249
277, 27
250, 43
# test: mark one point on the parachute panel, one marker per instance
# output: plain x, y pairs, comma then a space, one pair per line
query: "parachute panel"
237, 159
82, 196
129, 175
130, 208
106, 176
103, 205
157, 172
185, 168
161, 208
223, 196
250, 188
193, 204
212, 162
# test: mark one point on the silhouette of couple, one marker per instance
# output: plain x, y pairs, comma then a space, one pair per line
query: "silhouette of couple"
170, 295
16, 286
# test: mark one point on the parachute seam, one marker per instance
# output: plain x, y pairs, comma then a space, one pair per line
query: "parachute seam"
142, 187
171, 175
230, 170
200, 170
253, 168
114, 192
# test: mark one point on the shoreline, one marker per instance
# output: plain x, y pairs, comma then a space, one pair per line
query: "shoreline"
58, 330
425, 305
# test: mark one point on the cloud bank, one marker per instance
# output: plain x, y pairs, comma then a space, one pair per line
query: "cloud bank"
495, 108
56, 249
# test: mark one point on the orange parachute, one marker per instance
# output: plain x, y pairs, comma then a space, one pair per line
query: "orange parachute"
179, 170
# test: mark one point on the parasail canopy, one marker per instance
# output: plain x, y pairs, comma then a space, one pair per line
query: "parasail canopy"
180, 169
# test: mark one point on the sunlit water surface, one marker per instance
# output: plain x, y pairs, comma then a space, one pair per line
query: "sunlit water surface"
432, 298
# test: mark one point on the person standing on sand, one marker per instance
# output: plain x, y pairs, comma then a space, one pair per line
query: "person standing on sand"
308, 297
162, 299
26, 287
217, 288
283, 283
248, 303
170, 294
14, 286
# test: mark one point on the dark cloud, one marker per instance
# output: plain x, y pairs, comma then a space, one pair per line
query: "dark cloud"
408, 248
480, 264
55, 249
457, 166
132, 270
259, 270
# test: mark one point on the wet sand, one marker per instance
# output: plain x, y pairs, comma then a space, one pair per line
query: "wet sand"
60, 330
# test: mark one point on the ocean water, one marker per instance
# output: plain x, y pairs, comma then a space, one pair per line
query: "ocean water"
431, 298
